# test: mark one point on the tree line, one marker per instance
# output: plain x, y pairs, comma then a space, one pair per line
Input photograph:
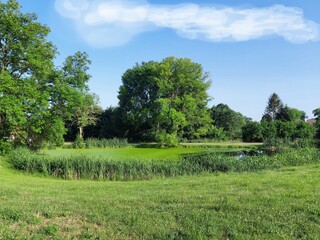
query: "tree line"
159, 101
279, 121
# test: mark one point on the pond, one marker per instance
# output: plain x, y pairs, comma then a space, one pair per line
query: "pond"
244, 153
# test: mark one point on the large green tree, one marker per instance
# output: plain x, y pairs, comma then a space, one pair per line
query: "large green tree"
71, 99
165, 100
35, 97
26, 62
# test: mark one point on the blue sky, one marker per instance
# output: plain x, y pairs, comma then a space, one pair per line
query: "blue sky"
252, 48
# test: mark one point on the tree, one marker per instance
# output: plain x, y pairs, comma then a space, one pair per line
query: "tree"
286, 129
273, 107
137, 100
316, 114
165, 100
71, 99
85, 112
229, 120
290, 114
281, 121
269, 129
304, 131
110, 124
36, 98
69, 83
26, 62
252, 132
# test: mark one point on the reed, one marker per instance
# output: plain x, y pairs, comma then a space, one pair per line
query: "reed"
105, 143
88, 167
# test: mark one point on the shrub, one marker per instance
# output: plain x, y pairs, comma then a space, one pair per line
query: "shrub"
20, 158
277, 145
252, 132
78, 142
167, 139
5, 147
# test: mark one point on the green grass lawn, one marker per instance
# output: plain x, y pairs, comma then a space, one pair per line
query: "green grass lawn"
282, 204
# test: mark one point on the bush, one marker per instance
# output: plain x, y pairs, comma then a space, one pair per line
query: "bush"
252, 132
78, 142
21, 157
5, 147
278, 145
167, 139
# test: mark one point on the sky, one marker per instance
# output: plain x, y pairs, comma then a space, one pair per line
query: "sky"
251, 48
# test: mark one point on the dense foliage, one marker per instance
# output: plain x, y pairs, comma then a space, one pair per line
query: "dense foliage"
226, 124
25, 68
165, 101
36, 98
252, 132
41, 105
230, 121
279, 122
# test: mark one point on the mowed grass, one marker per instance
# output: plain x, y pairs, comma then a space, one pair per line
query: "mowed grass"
128, 153
282, 204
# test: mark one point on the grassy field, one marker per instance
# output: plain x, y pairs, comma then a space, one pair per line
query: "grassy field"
281, 204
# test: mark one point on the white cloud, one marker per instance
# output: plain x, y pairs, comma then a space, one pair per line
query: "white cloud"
72, 8
116, 22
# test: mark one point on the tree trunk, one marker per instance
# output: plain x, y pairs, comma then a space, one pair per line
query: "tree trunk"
81, 132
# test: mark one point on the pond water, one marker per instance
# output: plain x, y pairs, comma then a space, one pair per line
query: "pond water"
244, 153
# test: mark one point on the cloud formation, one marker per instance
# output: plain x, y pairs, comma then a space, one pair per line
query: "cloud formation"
105, 23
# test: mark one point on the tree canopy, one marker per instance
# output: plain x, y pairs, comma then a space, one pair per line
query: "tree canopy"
273, 107
164, 101
229, 120
167, 99
26, 62
35, 96
281, 121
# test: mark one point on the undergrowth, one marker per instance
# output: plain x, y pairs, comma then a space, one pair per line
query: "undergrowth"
100, 143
